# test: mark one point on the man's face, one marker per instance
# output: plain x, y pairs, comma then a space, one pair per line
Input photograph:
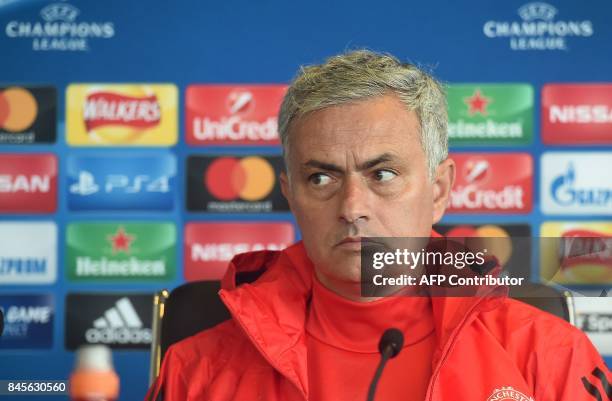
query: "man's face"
359, 170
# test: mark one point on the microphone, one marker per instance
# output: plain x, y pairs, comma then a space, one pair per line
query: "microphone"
389, 346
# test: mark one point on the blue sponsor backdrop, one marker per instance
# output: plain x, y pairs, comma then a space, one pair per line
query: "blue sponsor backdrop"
263, 41
121, 182
28, 321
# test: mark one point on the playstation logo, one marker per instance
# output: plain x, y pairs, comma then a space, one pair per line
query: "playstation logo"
86, 184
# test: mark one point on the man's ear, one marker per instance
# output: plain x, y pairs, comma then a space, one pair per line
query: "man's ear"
285, 189
443, 183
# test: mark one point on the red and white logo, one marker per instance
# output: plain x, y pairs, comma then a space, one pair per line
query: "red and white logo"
577, 114
492, 182
233, 115
210, 246
477, 103
28, 183
121, 241
116, 109
508, 394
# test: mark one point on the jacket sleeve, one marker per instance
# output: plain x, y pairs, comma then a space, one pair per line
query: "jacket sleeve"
170, 385
574, 371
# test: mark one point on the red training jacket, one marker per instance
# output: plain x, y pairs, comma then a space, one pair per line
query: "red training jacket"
489, 348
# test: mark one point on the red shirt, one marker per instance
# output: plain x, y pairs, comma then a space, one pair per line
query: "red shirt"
342, 343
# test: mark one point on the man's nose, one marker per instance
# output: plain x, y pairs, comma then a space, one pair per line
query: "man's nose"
354, 200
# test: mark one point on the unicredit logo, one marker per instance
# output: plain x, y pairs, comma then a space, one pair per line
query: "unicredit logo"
225, 114
476, 170
250, 179
492, 184
240, 102
108, 108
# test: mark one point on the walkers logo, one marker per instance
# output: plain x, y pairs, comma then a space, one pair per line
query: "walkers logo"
120, 321
233, 115
502, 241
122, 114
28, 321
28, 253
594, 317
60, 29
125, 181
210, 246
539, 29
577, 114
492, 182
577, 183
121, 252
27, 114
576, 252
488, 114
508, 394
28, 183
235, 184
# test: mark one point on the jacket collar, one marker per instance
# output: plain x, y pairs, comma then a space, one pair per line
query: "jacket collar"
272, 310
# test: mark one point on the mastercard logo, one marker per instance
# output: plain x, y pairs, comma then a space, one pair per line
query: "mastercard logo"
250, 178
18, 109
493, 238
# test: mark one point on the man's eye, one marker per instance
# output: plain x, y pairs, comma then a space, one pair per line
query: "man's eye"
319, 179
384, 175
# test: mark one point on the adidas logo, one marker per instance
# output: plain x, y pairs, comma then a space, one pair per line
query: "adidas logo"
119, 325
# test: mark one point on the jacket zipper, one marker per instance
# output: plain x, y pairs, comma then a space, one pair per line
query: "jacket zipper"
469, 316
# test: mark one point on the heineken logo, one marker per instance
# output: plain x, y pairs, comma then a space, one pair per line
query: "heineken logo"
121, 241
488, 114
477, 103
129, 251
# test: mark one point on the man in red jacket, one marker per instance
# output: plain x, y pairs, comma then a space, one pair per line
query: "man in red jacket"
365, 144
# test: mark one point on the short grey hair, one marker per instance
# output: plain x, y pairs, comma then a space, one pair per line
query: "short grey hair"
364, 74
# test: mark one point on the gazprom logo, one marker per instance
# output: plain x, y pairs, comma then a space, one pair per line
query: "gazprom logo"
565, 191
28, 253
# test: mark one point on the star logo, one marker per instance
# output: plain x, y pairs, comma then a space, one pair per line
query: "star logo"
477, 103
121, 241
